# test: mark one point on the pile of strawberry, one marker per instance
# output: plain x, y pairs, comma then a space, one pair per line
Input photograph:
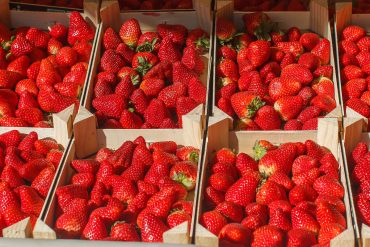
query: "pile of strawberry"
285, 82
78, 4
151, 79
354, 50
289, 196
27, 166
270, 5
42, 72
135, 193
361, 178
155, 4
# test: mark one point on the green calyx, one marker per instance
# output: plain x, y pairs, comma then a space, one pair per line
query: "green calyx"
202, 42
194, 157
147, 46
135, 80
144, 66
258, 151
262, 32
254, 106
184, 180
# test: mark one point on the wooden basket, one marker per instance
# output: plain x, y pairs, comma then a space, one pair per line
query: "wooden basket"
315, 20
85, 129
326, 135
343, 18
111, 17
355, 132
62, 135
14, 19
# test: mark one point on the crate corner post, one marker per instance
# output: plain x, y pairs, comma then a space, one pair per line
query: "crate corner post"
365, 235
43, 231
177, 235
84, 128
21, 229
63, 124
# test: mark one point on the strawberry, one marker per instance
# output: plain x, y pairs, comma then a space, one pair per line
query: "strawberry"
142, 62
258, 52
228, 68
225, 30
293, 47
30, 115
282, 179
47, 75
244, 163
213, 221
79, 29
359, 106
149, 41
235, 233
301, 237
322, 50
302, 193
242, 192
280, 219
268, 236
284, 86
69, 192
8, 79
95, 229
309, 40
246, 104
353, 33
192, 60
168, 51
111, 61
152, 228
124, 232
66, 57
269, 192
267, 118
111, 39
19, 65
311, 61
289, 106
43, 181
177, 218
26, 85
311, 124
183, 106
258, 24
37, 37
221, 182
328, 214
11, 176
303, 164
185, 173
225, 155
348, 47
156, 113
58, 31
326, 185
12, 121
298, 72
352, 72
13, 215
328, 232
302, 219
31, 202
20, 46
111, 104
177, 33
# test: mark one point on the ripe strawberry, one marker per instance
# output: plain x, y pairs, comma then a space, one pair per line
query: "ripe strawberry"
301, 237
228, 68
258, 24
95, 229
258, 52
242, 192
283, 86
235, 233
12, 121
37, 37
33, 70
11, 176
112, 105
221, 182
302, 219
309, 40
111, 61
324, 102
152, 229
225, 30
156, 113
348, 47
111, 39
20, 46
282, 179
184, 105
353, 33
124, 232
19, 65
246, 104
185, 173
9, 79
31, 202
267, 118
177, 218
294, 48
322, 50
269, 192
142, 62
268, 236
43, 181
79, 29
168, 51
289, 107
328, 232
213, 221
352, 72
66, 57
359, 106
58, 31
149, 41
302, 193
280, 219
311, 61
326, 185
298, 72
177, 33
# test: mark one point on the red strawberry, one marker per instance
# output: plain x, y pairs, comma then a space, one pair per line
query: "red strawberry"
58, 31
111, 39
294, 48
298, 72
289, 106
111, 104
79, 29
152, 228
31, 202
258, 24
66, 57
309, 40
43, 181
124, 232
309, 113
184, 105
242, 192
284, 86
359, 106
177, 33
246, 104
225, 30
268, 236
228, 68
213, 221
149, 41
20, 46
185, 173
302, 219
328, 232
301, 237
258, 52
8, 79
322, 50
302, 193
168, 51
267, 118
177, 218
235, 233
156, 113
282, 179
19, 65
353, 33
326, 185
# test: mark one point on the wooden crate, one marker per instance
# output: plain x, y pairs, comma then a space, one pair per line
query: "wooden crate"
195, 3
315, 20
85, 129
343, 18
355, 132
40, 7
62, 135
15, 19
326, 135
111, 17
